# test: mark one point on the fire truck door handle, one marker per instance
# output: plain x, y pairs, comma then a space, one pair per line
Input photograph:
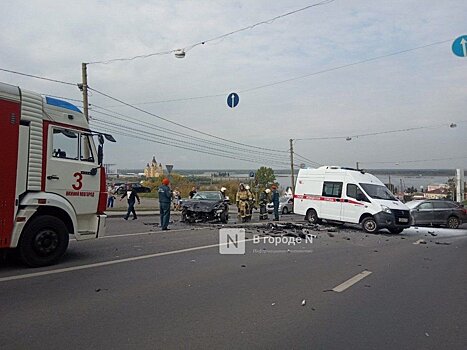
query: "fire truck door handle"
53, 177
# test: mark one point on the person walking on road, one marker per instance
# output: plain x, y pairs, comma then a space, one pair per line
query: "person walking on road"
275, 201
132, 196
165, 198
110, 197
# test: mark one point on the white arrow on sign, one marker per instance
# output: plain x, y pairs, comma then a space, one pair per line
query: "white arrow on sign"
464, 47
232, 97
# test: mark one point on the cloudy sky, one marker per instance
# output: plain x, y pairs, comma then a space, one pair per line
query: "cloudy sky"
416, 89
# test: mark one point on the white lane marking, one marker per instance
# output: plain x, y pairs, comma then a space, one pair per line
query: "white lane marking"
106, 263
143, 233
351, 281
150, 232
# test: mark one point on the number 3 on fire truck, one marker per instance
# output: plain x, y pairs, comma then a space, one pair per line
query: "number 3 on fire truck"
79, 183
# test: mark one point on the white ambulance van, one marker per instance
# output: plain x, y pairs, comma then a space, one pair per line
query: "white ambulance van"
348, 195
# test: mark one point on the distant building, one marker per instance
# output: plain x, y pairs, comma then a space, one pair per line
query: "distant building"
433, 187
439, 193
153, 169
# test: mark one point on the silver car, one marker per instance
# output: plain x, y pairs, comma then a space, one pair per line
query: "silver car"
285, 206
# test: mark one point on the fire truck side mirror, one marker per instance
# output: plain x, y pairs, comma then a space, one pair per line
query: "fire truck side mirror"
100, 154
110, 138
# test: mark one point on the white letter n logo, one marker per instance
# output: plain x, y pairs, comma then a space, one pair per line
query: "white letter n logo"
232, 241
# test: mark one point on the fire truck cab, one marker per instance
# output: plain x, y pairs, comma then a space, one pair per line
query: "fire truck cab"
51, 178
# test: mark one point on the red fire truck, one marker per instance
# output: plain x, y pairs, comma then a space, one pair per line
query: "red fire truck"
51, 177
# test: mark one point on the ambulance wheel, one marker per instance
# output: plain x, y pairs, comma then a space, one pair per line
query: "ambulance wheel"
43, 242
312, 217
369, 225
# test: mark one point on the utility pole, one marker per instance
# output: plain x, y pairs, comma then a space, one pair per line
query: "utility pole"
84, 76
292, 176
357, 166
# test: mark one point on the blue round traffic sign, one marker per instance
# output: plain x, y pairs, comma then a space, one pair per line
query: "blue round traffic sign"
459, 46
233, 100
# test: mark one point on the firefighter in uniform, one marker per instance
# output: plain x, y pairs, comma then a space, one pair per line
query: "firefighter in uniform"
223, 191
252, 201
263, 201
243, 199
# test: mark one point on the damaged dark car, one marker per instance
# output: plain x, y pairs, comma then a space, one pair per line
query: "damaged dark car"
206, 206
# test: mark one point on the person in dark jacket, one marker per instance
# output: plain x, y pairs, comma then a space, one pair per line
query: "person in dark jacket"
275, 201
165, 198
132, 196
263, 202
192, 192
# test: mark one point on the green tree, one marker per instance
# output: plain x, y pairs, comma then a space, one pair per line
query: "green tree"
265, 177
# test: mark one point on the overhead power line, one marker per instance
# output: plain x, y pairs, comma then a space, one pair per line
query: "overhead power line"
189, 47
165, 138
306, 159
344, 66
184, 126
179, 134
350, 137
414, 160
279, 82
37, 77
119, 132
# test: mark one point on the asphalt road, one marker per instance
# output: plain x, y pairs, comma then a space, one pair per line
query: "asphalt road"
141, 288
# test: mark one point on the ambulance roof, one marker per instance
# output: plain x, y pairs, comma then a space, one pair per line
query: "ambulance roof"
356, 175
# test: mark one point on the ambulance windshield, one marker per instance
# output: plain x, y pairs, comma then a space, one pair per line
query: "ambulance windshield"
378, 192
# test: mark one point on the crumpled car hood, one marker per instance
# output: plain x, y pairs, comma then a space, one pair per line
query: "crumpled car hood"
197, 205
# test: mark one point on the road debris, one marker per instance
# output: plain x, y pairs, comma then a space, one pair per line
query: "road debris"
420, 241
443, 243
303, 302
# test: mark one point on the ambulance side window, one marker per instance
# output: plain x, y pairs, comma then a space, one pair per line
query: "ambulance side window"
354, 192
65, 144
332, 189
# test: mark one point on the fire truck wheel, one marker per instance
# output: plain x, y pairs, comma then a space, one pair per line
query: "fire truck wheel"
43, 242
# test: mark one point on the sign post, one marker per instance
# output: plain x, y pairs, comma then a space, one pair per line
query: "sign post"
169, 168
